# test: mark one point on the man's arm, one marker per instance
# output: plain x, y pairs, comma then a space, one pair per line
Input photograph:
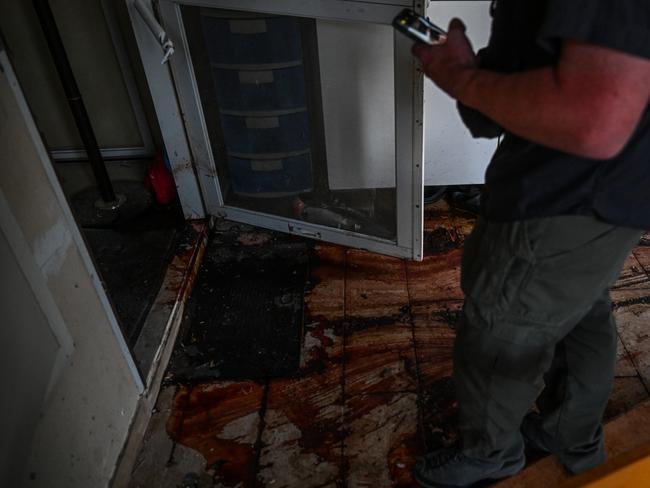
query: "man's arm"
589, 104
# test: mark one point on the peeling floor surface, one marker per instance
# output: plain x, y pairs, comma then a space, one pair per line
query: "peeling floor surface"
373, 390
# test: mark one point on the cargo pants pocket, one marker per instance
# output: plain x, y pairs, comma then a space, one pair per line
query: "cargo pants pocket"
496, 262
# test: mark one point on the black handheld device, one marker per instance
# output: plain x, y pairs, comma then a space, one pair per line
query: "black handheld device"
419, 28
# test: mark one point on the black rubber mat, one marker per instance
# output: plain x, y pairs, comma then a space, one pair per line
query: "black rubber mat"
245, 316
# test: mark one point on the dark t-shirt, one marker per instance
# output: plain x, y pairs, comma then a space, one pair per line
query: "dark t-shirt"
527, 180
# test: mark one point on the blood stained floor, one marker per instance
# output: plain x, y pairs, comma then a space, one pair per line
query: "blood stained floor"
372, 389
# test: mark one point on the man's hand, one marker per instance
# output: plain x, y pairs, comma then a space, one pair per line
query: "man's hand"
450, 65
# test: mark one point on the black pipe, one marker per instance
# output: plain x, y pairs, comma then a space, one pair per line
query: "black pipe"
54, 42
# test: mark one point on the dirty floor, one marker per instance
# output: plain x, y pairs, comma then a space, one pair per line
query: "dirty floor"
372, 387
132, 258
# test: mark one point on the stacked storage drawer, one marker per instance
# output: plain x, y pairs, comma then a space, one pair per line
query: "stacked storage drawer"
259, 78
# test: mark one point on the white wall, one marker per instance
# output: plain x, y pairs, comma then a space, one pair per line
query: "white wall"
86, 416
358, 90
451, 155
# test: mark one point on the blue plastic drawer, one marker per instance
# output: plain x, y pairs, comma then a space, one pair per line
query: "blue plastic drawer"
285, 133
278, 89
269, 178
252, 41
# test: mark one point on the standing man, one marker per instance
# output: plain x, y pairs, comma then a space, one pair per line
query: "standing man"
567, 192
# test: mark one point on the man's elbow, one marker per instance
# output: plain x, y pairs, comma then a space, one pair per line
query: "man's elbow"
601, 141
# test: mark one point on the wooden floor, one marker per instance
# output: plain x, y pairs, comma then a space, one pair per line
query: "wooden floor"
626, 434
374, 389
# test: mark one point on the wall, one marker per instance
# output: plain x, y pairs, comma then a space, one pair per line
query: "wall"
85, 28
359, 132
26, 366
85, 419
451, 155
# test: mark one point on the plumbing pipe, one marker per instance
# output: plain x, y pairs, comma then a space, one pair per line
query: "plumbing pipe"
55, 44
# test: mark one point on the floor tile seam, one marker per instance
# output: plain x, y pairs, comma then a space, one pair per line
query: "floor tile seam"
418, 373
631, 281
412, 326
633, 362
379, 393
259, 441
345, 418
178, 433
627, 377
645, 270
343, 465
636, 285
342, 475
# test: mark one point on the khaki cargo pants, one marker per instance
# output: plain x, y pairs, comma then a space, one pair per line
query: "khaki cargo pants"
537, 317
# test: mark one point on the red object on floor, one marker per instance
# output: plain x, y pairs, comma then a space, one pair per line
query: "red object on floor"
160, 180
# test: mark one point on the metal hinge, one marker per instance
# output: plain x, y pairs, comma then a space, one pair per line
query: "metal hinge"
156, 29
